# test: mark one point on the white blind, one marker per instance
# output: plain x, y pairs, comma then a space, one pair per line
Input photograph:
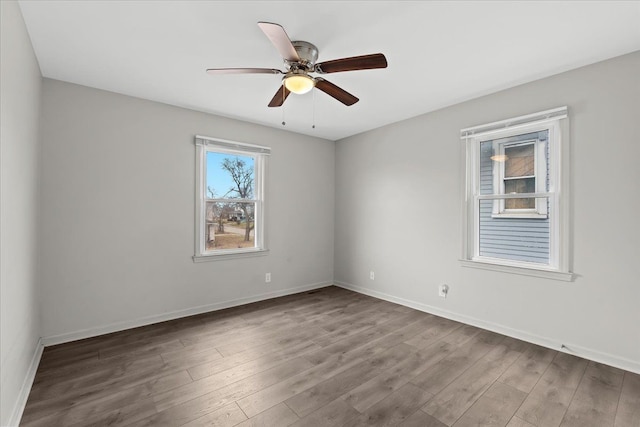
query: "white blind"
514, 123
232, 145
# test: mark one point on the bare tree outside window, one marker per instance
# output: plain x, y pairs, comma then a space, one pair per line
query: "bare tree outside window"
216, 210
242, 177
230, 201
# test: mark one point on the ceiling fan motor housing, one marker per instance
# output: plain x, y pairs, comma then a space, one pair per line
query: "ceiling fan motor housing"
308, 54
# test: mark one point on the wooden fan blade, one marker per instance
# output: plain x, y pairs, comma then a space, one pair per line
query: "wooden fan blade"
280, 96
280, 40
243, 71
338, 93
364, 62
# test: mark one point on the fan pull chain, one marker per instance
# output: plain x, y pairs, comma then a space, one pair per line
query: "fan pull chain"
313, 125
283, 98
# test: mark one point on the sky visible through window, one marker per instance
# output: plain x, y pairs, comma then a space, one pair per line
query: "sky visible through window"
218, 178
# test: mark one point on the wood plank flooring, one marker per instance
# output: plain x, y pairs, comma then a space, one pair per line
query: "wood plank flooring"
329, 357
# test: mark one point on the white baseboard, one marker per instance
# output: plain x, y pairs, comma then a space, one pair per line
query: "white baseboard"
21, 401
587, 353
121, 326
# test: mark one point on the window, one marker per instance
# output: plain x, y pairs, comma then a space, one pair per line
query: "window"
229, 198
516, 206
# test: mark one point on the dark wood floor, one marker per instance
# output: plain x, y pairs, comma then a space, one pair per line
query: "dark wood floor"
324, 358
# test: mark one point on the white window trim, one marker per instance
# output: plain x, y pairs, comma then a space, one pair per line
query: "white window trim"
558, 190
516, 269
203, 145
540, 167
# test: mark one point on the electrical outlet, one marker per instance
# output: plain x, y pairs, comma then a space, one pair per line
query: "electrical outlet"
443, 290
267, 278
372, 275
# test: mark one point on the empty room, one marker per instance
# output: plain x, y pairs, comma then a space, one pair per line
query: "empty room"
320, 213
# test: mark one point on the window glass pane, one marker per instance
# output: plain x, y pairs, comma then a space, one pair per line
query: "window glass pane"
229, 176
519, 161
522, 185
229, 225
518, 239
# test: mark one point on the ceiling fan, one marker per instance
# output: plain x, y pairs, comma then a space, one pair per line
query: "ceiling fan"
300, 60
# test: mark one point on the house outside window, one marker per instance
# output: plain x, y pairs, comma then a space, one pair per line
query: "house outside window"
229, 199
519, 164
516, 198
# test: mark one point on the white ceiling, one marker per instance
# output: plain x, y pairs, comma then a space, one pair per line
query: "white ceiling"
439, 53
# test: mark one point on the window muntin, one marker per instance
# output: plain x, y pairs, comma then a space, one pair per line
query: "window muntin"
521, 224
229, 198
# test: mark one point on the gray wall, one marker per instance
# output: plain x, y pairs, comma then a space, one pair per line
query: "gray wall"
20, 89
416, 167
117, 216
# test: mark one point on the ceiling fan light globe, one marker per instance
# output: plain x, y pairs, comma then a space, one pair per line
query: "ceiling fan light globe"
299, 83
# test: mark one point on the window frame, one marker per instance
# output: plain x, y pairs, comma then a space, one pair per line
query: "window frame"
260, 154
556, 122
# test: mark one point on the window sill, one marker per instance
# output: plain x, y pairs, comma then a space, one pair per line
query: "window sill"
230, 255
523, 271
